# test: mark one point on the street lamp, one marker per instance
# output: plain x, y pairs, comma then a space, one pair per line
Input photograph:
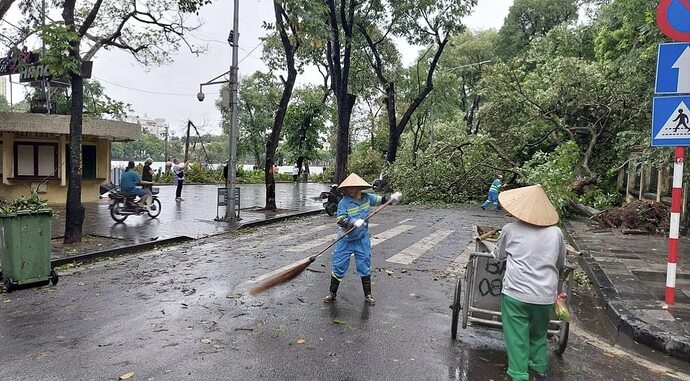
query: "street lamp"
230, 215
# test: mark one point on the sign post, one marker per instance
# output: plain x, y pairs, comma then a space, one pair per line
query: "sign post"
670, 115
676, 197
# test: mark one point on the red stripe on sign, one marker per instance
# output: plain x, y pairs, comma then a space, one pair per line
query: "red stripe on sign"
686, 4
672, 250
676, 199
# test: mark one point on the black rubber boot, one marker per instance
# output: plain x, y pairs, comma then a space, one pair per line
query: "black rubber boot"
366, 286
333, 290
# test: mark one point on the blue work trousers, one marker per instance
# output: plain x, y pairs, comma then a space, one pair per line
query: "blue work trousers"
361, 247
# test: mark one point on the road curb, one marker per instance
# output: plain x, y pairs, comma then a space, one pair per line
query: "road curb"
269, 221
623, 319
169, 241
119, 251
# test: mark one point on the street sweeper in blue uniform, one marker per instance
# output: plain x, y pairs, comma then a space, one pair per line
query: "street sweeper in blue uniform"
353, 210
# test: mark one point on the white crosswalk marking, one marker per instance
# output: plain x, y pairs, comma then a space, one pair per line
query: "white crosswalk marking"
280, 237
413, 252
382, 237
313, 243
317, 242
458, 265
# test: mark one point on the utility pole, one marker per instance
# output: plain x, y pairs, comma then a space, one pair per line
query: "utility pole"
45, 85
230, 215
166, 143
186, 144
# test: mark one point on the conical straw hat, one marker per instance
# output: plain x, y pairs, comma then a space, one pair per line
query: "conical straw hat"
530, 205
354, 181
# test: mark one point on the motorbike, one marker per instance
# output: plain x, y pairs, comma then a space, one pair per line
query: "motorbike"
123, 205
332, 198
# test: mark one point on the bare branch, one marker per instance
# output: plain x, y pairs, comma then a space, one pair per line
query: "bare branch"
88, 21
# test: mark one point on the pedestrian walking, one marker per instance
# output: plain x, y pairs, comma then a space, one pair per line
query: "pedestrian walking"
535, 252
295, 173
225, 174
275, 169
492, 196
147, 173
353, 209
178, 175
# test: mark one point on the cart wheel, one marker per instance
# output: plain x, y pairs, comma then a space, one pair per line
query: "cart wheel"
54, 277
465, 306
456, 310
9, 284
563, 338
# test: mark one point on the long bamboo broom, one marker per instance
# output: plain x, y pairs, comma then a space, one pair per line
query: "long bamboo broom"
298, 267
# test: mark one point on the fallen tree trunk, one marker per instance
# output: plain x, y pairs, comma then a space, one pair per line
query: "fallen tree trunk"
583, 210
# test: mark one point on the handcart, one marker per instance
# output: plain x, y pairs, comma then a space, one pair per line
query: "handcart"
477, 297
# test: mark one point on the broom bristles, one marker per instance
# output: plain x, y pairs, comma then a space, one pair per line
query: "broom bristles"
282, 277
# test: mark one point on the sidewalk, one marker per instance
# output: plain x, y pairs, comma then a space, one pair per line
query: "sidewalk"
629, 274
190, 219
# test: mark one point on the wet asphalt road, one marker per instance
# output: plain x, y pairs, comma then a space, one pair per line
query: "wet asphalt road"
184, 313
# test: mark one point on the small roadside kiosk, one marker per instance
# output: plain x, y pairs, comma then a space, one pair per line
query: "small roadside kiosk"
670, 112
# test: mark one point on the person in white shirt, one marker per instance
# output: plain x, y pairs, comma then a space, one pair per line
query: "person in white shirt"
295, 173
178, 173
534, 249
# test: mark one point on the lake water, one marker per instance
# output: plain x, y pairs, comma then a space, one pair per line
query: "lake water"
314, 170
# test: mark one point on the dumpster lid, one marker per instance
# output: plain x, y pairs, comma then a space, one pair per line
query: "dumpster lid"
26, 212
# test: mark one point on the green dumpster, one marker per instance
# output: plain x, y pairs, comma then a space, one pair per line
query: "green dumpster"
25, 248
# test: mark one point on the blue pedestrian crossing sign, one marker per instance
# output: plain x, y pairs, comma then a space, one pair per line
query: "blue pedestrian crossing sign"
673, 69
671, 121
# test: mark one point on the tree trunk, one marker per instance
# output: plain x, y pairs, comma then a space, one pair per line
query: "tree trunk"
345, 104
4, 7
74, 213
397, 130
288, 85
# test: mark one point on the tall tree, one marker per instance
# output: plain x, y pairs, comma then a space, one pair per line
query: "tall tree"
528, 19
149, 31
425, 23
305, 121
259, 96
341, 22
96, 102
287, 16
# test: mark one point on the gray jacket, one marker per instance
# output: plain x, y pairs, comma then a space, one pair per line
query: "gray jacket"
535, 257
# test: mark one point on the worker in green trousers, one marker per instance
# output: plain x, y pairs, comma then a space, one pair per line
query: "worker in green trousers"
534, 250
525, 327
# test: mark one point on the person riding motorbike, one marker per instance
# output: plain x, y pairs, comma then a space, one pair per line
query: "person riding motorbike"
128, 184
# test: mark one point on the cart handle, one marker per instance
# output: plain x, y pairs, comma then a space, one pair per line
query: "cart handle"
480, 254
566, 272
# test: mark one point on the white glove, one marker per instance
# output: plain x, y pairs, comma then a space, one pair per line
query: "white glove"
358, 223
395, 197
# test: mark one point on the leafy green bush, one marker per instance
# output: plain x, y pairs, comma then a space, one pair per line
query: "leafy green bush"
554, 171
600, 199
324, 177
366, 162
456, 168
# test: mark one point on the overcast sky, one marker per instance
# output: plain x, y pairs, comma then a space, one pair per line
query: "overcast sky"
169, 92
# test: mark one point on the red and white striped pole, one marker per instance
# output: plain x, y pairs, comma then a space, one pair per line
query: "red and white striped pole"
676, 200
